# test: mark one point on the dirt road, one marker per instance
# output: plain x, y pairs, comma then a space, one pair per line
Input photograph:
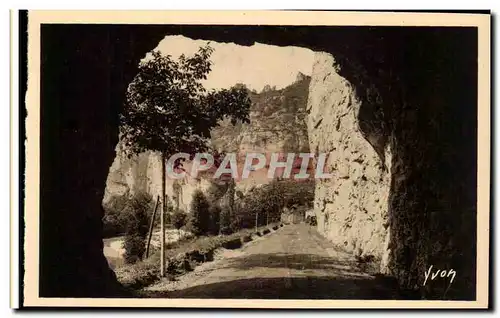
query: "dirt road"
294, 262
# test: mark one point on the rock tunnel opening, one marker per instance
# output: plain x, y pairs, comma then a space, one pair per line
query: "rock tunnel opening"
429, 98
276, 79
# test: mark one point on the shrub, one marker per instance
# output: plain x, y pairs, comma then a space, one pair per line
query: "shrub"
179, 219
199, 221
134, 248
137, 227
275, 227
232, 244
266, 231
226, 230
115, 219
246, 238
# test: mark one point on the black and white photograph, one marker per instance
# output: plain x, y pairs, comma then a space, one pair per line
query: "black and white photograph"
225, 159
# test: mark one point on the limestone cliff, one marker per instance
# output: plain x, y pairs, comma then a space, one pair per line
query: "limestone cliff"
142, 173
277, 124
351, 207
128, 176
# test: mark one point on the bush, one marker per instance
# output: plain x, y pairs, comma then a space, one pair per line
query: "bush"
115, 218
275, 227
137, 227
266, 231
199, 221
246, 238
134, 248
179, 219
232, 244
113, 224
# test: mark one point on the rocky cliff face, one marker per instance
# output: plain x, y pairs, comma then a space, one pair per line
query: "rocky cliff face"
277, 124
142, 174
128, 176
351, 207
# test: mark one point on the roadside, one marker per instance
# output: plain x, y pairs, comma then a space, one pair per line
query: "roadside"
185, 256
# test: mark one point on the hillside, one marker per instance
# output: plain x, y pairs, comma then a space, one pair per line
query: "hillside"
277, 122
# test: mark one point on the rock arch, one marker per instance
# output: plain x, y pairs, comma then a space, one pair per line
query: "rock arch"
424, 80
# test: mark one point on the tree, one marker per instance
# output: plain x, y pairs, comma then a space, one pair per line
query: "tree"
199, 221
214, 194
168, 110
214, 212
225, 221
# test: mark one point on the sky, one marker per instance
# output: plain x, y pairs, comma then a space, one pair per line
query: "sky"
254, 66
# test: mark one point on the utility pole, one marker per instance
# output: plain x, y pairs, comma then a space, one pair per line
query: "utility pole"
151, 226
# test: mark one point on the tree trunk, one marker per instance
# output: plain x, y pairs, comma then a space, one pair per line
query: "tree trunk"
163, 212
256, 221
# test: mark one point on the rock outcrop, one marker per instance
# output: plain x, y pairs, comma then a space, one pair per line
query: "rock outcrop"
129, 176
142, 174
351, 207
277, 124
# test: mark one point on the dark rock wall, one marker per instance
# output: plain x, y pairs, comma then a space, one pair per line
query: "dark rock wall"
434, 142
85, 70
419, 83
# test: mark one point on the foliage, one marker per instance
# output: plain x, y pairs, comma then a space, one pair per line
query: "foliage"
179, 219
267, 202
168, 110
230, 195
138, 212
115, 219
216, 191
199, 219
215, 213
117, 213
225, 221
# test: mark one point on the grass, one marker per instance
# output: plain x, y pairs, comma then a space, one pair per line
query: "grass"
183, 256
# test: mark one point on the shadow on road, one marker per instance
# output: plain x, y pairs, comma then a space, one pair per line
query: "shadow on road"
287, 288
